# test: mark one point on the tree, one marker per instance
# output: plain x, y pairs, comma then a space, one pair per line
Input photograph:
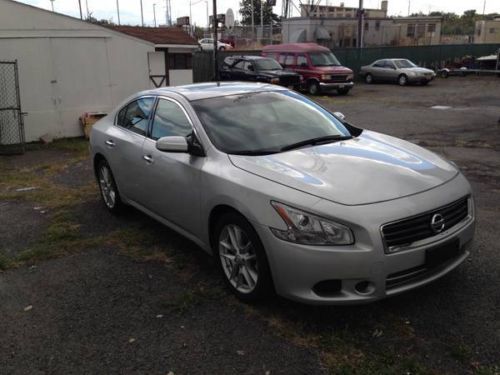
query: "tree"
246, 12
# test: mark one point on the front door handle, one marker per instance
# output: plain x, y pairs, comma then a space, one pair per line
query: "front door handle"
110, 143
148, 158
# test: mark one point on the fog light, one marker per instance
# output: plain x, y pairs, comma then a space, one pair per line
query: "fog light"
364, 288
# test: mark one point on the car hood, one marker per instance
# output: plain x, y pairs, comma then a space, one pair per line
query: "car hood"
417, 69
277, 73
332, 70
367, 169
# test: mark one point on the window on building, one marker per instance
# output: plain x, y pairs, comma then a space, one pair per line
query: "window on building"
377, 25
420, 30
410, 30
431, 27
180, 61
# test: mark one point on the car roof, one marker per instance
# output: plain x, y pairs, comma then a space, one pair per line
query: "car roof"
295, 47
213, 89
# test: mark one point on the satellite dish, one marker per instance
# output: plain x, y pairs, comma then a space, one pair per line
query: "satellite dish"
229, 19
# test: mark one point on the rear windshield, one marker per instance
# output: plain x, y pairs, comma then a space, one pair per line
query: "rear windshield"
324, 59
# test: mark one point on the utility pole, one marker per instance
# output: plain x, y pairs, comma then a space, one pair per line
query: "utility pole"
142, 15
208, 18
261, 20
154, 14
87, 7
253, 20
80, 6
52, 4
409, 2
118, 10
360, 24
215, 23
484, 6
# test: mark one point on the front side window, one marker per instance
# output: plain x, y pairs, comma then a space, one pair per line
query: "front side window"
135, 116
324, 59
289, 60
264, 122
170, 120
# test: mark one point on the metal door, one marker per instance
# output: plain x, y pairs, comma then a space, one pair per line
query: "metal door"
11, 116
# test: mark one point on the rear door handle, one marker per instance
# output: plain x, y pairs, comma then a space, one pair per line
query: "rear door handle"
148, 158
110, 143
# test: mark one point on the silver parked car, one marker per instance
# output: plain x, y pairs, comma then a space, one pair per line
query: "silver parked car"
287, 196
402, 71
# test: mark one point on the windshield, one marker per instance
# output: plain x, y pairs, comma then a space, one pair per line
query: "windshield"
267, 64
324, 59
401, 64
265, 122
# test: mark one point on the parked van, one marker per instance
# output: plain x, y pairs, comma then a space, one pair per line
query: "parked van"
318, 65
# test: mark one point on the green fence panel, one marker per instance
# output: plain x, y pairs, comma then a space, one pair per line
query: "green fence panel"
430, 56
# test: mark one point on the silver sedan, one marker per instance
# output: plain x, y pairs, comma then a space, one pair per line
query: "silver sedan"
402, 71
288, 197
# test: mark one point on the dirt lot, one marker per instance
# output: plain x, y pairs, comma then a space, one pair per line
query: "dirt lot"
82, 291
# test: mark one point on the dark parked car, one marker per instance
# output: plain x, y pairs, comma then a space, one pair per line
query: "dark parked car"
259, 69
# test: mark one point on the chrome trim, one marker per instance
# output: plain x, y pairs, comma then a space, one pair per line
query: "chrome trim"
429, 240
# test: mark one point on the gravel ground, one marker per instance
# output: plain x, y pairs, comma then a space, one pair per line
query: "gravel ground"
101, 311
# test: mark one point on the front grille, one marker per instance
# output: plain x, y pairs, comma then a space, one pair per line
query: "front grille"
338, 78
289, 80
417, 228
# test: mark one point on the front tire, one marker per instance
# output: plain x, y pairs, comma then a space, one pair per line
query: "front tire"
313, 88
107, 185
402, 80
241, 258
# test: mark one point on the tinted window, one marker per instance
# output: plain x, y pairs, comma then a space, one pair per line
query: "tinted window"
379, 64
388, 64
240, 65
135, 116
169, 120
264, 121
267, 64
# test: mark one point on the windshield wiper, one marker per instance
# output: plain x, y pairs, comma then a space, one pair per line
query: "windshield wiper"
254, 152
316, 141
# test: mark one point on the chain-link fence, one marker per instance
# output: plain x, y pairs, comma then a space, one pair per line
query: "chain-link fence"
11, 121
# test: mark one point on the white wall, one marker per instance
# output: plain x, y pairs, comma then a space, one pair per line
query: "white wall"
180, 77
68, 67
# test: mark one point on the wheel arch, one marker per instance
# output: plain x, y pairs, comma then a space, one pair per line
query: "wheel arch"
98, 157
217, 212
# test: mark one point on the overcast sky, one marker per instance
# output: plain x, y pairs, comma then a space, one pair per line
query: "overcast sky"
130, 9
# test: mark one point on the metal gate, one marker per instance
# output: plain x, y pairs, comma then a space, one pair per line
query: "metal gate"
11, 116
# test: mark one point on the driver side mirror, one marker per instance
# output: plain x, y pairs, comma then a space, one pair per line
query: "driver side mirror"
172, 144
250, 67
339, 115
303, 65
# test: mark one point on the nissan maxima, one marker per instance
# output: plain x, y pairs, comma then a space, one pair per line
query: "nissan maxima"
288, 197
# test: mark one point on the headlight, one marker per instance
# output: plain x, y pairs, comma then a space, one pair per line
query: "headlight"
275, 80
326, 77
308, 229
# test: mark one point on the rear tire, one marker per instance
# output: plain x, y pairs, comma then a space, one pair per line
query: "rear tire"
222, 48
107, 186
369, 79
241, 258
402, 80
313, 88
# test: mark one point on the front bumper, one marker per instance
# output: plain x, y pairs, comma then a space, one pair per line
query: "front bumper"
365, 272
336, 85
297, 269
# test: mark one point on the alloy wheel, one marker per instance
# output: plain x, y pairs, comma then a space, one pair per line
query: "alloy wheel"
107, 187
238, 258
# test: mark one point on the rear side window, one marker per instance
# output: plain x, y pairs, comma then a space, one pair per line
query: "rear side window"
301, 59
289, 60
282, 58
170, 120
135, 115
379, 64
